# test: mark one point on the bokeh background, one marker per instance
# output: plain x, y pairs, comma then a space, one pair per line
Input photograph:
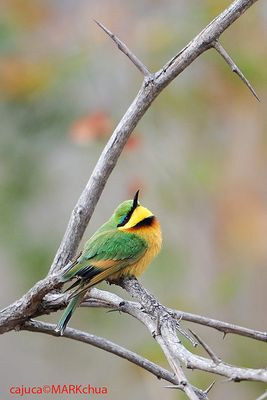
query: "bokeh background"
199, 156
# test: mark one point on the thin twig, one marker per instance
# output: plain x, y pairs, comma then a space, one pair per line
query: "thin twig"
206, 347
221, 326
220, 49
122, 47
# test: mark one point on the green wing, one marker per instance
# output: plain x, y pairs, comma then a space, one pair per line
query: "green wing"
105, 254
113, 244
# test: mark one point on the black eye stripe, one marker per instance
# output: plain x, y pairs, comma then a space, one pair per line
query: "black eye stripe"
128, 216
148, 221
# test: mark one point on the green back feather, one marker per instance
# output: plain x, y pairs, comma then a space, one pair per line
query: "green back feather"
107, 244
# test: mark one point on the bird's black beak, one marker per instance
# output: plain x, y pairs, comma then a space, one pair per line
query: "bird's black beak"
135, 200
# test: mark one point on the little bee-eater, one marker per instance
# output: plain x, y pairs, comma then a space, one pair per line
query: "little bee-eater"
123, 246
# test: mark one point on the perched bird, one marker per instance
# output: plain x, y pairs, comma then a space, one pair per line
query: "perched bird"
123, 246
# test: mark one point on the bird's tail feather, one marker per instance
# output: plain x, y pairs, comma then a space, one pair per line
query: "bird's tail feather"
66, 316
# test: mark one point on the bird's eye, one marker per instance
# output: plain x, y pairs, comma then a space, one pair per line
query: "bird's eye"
122, 220
125, 218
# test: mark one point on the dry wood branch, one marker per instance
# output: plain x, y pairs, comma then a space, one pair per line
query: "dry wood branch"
101, 343
122, 47
205, 346
168, 338
160, 321
101, 298
22, 309
221, 326
219, 48
111, 347
146, 302
147, 94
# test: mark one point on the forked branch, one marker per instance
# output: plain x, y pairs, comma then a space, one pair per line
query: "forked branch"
159, 320
150, 89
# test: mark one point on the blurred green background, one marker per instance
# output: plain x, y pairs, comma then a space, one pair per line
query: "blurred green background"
199, 156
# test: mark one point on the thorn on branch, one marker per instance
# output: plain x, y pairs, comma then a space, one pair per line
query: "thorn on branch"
184, 333
125, 50
206, 347
220, 49
180, 386
201, 395
114, 310
209, 387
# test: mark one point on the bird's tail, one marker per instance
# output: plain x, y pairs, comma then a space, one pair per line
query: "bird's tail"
66, 316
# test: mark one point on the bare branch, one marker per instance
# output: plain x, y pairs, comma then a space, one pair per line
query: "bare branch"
22, 309
122, 47
207, 36
156, 317
206, 347
169, 340
150, 89
109, 346
174, 362
219, 48
101, 298
221, 326
101, 343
